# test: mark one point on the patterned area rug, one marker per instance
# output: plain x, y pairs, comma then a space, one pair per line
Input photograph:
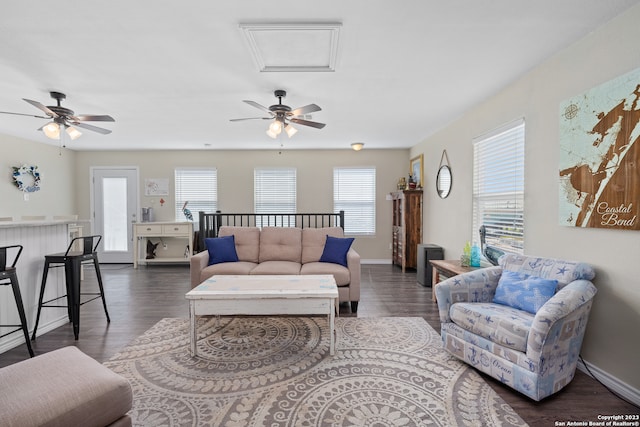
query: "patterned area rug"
277, 371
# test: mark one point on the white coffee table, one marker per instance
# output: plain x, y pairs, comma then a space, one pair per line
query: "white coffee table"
264, 295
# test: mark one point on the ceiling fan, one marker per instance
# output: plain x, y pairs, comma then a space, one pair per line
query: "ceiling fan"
283, 115
64, 118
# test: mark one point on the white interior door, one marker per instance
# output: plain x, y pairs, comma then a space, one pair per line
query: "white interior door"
115, 207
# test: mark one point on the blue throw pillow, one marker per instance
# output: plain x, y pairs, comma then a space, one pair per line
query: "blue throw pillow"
221, 249
335, 250
524, 292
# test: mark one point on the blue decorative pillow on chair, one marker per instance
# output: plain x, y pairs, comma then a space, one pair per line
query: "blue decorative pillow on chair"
221, 249
335, 250
524, 292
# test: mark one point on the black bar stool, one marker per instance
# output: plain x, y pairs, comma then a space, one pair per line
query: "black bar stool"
72, 262
9, 276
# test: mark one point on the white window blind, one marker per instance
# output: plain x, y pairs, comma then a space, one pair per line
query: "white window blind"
498, 187
199, 187
274, 191
354, 192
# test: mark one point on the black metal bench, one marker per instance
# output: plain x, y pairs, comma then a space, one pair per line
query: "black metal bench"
210, 223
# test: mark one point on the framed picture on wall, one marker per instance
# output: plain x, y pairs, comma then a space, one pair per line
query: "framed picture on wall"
156, 187
416, 169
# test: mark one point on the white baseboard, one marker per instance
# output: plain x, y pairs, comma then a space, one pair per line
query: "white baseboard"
375, 261
16, 339
614, 384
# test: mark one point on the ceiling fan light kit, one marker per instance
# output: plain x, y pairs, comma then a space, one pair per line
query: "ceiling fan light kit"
64, 118
283, 115
51, 130
73, 133
290, 130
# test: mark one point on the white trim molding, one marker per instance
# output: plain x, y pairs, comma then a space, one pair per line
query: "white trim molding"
614, 384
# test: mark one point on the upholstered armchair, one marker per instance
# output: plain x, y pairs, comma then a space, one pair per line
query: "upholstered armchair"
522, 322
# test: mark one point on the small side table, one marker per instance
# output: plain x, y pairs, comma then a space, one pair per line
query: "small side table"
443, 269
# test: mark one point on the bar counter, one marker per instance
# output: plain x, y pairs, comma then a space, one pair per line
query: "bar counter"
38, 239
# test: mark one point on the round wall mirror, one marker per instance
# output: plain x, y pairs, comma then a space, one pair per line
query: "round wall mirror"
444, 181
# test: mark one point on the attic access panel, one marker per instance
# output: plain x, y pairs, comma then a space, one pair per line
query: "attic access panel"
293, 47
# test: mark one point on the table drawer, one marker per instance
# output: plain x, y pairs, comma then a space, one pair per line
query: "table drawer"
175, 229
149, 229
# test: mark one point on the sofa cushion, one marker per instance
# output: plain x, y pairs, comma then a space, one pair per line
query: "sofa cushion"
340, 273
227, 268
281, 244
498, 323
313, 240
524, 292
335, 250
276, 267
247, 241
221, 249
64, 387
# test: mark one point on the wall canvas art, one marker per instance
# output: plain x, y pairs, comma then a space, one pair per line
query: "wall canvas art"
156, 187
600, 156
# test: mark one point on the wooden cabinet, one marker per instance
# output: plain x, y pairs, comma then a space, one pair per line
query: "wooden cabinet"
407, 227
180, 231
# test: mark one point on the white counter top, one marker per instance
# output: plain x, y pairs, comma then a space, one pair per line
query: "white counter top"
41, 223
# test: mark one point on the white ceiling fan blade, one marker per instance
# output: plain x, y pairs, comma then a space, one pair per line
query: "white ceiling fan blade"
311, 108
41, 107
251, 118
255, 104
308, 123
91, 127
93, 118
22, 114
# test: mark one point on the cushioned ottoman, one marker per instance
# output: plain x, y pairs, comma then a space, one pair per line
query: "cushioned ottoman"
64, 387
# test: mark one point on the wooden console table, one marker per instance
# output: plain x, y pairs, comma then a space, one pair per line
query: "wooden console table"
443, 269
145, 230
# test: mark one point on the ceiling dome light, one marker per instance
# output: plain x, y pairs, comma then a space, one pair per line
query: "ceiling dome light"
357, 146
52, 130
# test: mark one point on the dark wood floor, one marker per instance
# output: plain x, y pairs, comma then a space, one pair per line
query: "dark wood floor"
138, 298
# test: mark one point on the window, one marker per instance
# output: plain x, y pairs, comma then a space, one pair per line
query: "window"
199, 187
274, 192
498, 187
354, 192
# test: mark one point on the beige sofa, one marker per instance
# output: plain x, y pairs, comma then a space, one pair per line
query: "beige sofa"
282, 250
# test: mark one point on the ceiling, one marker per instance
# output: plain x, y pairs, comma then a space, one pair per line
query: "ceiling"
173, 74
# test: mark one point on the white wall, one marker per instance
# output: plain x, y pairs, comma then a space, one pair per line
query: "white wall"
56, 166
612, 342
235, 180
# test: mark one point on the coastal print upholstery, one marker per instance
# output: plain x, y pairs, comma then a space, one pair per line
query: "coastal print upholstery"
498, 323
525, 292
536, 354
